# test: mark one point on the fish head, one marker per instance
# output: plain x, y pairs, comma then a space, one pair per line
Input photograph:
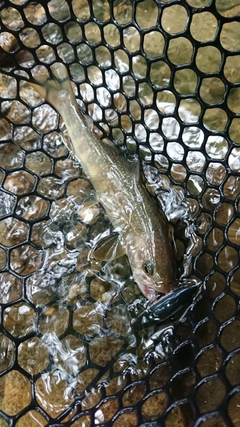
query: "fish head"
152, 266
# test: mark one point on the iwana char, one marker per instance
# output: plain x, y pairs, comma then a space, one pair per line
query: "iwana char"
141, 226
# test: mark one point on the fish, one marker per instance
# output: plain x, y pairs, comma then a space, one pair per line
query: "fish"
140, 225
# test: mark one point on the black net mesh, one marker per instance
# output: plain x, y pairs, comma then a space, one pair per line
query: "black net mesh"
162, 79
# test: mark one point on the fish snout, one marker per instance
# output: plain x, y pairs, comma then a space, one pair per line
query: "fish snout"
163, 285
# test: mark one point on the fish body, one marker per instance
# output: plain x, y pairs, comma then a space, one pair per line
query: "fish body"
142, 227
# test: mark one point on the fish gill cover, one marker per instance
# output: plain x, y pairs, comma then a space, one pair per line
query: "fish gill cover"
161, 80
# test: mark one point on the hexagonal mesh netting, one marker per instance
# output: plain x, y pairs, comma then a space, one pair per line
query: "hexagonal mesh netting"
161, 79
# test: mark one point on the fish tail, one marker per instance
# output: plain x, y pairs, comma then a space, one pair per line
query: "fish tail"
56, 87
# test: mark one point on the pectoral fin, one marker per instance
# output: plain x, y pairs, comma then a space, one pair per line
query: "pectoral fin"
134, 166
172, 237
108, 248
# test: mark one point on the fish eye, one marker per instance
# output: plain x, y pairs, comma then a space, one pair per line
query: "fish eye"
149, 267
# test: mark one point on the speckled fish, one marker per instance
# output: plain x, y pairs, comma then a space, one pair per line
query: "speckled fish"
142, 228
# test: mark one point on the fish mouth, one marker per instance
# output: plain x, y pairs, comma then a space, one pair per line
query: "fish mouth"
156, 289
152, 287
149, 292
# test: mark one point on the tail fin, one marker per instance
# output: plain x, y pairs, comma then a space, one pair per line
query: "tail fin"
55, 88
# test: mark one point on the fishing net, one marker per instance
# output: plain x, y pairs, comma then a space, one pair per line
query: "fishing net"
161, 80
